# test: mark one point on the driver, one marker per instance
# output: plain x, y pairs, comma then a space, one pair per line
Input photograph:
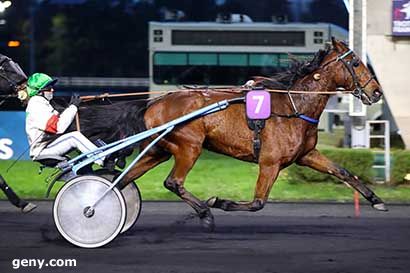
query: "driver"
46, 127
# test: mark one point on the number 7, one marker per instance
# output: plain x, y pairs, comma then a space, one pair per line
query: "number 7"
259, 102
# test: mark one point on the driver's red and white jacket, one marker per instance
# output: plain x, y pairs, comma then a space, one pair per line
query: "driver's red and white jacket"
43, 119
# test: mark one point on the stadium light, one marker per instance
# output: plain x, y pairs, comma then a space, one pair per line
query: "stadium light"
4, 5
13, 44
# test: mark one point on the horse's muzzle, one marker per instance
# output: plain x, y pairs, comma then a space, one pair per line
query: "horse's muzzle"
376, 96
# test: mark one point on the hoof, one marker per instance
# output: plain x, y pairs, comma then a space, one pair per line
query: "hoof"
28, 208
207, 221
380, 207
211, 202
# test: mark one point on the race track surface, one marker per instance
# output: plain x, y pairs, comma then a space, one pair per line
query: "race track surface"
283, 237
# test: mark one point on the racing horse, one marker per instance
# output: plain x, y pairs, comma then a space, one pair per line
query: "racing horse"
286, 139
12, 84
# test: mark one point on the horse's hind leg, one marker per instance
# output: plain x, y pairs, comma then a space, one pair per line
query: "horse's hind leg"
267, 176
185, 158
153, 158
315, 160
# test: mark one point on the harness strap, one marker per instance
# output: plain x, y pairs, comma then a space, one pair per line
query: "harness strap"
308, 119
297, 115
256, 125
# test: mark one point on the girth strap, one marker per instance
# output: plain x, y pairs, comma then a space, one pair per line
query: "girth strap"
256, 125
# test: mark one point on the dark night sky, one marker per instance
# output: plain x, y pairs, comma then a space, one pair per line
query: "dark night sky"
71, 34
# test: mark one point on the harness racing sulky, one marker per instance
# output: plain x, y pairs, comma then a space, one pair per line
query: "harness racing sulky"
269, 121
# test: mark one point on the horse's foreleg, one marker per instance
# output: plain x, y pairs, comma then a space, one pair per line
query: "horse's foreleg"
315, 160
267, 176
185, 158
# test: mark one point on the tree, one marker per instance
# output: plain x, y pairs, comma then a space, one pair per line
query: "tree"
60, 58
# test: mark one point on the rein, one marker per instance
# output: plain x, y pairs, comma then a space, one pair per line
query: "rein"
228, 90
5, 97
237, 90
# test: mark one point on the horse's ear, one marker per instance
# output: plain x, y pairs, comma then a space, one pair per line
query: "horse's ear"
337, 45
328, 46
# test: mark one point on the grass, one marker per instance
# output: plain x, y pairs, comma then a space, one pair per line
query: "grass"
212, 175
331, 140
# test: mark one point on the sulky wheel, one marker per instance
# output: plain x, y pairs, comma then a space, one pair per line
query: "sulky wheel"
132, 198
81, 226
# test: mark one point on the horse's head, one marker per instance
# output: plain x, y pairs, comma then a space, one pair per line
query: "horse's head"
12, 78
352, 74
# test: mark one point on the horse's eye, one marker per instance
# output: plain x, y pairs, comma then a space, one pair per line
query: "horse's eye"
356, 63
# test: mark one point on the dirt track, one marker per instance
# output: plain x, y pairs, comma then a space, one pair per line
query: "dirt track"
303, 237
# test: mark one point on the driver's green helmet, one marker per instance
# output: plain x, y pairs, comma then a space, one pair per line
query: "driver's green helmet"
38, 82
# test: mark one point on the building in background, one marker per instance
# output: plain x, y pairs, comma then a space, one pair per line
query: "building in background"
229, 53
388, 46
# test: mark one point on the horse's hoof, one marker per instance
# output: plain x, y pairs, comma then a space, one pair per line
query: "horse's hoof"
380, 207
207, 221
28, 208
211, 202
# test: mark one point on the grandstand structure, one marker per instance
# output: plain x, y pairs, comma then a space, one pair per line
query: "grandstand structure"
390, 57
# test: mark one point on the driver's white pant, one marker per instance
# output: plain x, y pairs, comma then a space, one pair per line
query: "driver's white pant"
63, 144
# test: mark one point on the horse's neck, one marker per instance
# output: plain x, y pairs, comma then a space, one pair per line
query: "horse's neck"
309, 104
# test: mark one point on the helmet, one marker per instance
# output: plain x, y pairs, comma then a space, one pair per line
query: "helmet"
38, 82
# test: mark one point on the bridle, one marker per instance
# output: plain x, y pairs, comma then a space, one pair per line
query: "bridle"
13, 84
358, 90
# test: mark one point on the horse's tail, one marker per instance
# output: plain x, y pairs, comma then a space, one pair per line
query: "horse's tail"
113, 121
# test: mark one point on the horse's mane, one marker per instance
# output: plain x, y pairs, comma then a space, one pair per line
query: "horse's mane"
113, 121
297, 70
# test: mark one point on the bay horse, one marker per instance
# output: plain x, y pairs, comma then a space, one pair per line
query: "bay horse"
285, 140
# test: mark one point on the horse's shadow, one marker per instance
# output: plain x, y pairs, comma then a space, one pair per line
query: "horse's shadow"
188, 227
